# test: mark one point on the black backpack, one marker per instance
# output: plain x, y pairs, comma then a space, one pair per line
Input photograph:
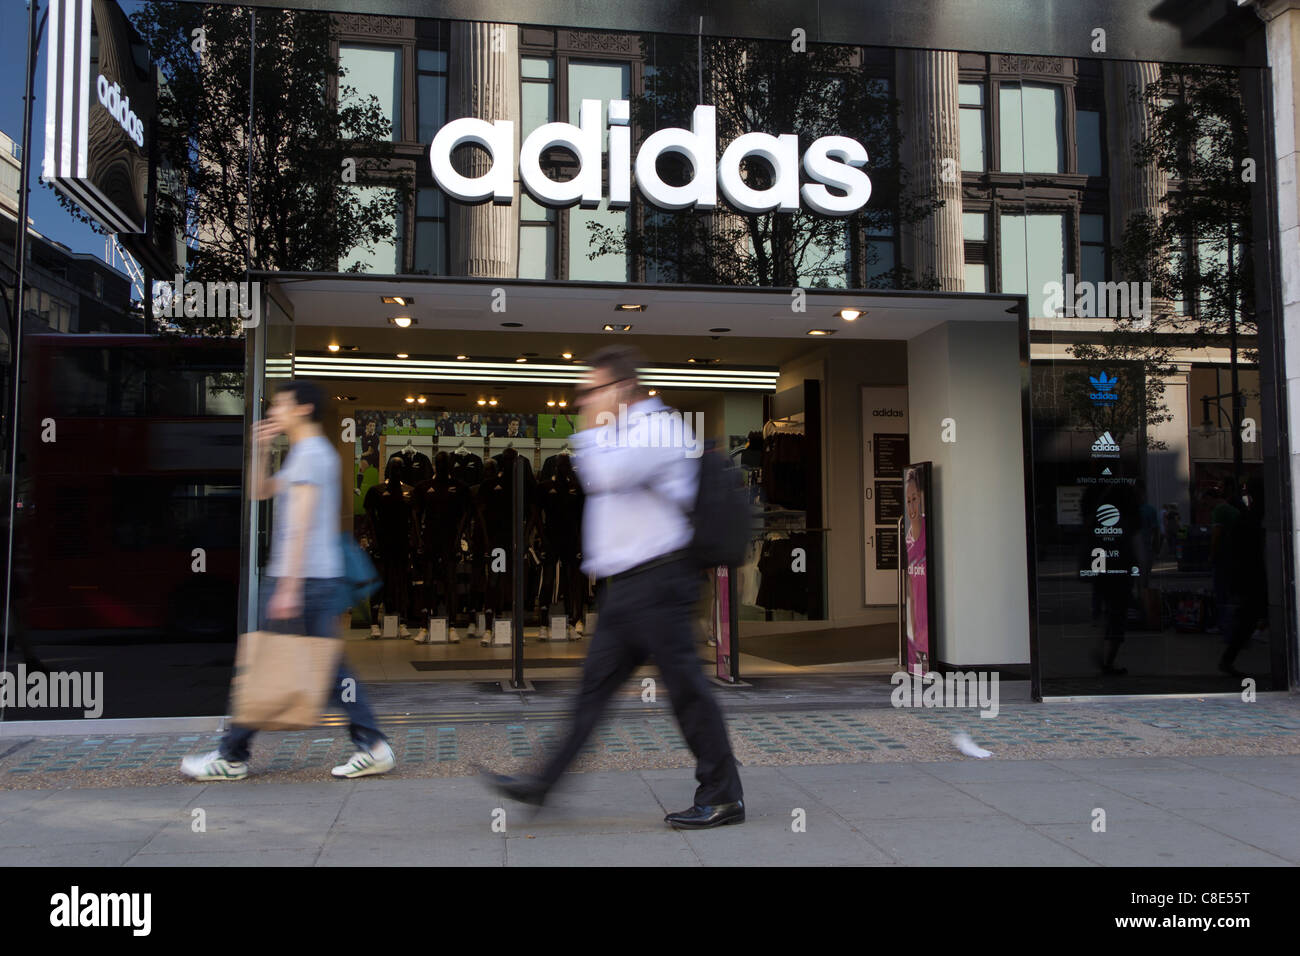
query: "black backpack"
721, 517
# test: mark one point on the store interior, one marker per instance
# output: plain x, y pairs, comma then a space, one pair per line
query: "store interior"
438, 386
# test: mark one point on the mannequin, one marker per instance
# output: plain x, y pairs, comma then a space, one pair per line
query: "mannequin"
443, 505
496, 504
561, 501
390, 519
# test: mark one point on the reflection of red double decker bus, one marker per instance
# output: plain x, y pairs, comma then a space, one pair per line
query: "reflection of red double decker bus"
133, 456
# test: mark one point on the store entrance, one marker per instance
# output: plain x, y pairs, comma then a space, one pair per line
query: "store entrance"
430, 416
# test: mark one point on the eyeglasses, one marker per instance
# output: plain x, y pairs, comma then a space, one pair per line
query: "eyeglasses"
589, 390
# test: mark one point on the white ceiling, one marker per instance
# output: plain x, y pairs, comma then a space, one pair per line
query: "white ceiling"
337, 306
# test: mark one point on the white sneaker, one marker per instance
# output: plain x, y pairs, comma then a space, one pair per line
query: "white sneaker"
212, 766
578, 627
472, 630
379, 759
452, 636
375, 632
422, 636
544, 633
403, 633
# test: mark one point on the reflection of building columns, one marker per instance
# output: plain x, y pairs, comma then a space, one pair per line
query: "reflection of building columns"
932, 147
1169, 469
1135, 188
483, 82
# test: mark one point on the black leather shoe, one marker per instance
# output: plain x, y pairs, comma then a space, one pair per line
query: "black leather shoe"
525, 789
702, 818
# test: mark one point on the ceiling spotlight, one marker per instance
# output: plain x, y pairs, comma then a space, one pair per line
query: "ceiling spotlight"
403, 321
353, 348
492, 401
421, 399
346, 398
521, 359
566, 355
848, 315
396, 300
333, 347
610, 327
482, 401
461, 358
563, 403
402, 355
550, 403
629, 307
512, 325
821, 331
654, 391
410, 399
719, 330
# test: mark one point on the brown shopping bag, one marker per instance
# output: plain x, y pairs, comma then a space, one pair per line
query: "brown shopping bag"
282, 681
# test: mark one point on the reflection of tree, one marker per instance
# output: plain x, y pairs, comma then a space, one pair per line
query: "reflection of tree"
301, 214
764, 87
1194, 251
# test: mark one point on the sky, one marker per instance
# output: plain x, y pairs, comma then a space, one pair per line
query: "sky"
48, 217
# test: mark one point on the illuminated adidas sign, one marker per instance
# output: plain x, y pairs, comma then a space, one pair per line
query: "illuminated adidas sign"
1105, 447
839, 186
1103, 389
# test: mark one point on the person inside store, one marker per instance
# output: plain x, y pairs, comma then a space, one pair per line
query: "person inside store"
635, 539
303, 591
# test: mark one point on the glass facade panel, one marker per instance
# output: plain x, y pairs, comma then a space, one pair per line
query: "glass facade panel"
372, 71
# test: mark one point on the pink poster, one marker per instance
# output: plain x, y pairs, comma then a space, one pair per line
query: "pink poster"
916, 489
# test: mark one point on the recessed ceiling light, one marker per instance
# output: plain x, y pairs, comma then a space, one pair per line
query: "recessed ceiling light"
396, 300
719, 330
821, 331
550, 403
512, 325
410, 399
848, 315
346, 398
521, 359
403, 321
333, 347
629, 307
403, 355
482, 401
566, 355
353, 348
610, 327
461, 358
654, 391
563, 403
421, 399
492, 401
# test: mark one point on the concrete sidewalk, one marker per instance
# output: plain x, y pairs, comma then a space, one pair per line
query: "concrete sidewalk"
1220, 811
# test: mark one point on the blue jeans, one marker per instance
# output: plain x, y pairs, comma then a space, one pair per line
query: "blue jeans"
321, 606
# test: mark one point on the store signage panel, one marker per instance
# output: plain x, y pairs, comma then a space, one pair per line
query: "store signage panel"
884, 458
839, 186
98, 107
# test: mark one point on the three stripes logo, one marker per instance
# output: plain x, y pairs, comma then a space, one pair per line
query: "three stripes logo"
1105, 446
1104, 389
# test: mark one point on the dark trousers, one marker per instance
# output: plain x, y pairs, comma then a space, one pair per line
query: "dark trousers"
319, 618
649, 615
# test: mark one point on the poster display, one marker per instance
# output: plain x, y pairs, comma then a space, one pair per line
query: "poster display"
918, 596
884, 457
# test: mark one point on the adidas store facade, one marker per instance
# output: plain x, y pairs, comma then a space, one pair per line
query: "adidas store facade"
905, 280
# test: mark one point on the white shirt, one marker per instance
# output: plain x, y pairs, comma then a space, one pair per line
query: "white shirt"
638, 495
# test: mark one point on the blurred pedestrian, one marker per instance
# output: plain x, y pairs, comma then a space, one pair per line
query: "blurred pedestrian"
636, 533
303, 589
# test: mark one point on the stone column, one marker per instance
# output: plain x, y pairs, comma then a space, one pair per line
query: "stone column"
1134, 188
483, 82
931, 124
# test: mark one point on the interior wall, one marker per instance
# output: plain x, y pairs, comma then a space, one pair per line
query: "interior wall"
849, 366
970, 372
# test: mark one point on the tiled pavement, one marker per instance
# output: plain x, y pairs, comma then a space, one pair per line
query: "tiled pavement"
1221, 811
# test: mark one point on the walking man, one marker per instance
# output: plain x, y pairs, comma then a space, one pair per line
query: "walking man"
636, 531
303, 586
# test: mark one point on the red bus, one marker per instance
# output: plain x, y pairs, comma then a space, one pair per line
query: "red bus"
129, 494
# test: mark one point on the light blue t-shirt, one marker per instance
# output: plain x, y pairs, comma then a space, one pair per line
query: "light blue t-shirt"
311, 461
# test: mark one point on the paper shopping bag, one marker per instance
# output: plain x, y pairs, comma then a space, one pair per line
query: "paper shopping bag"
282, 681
